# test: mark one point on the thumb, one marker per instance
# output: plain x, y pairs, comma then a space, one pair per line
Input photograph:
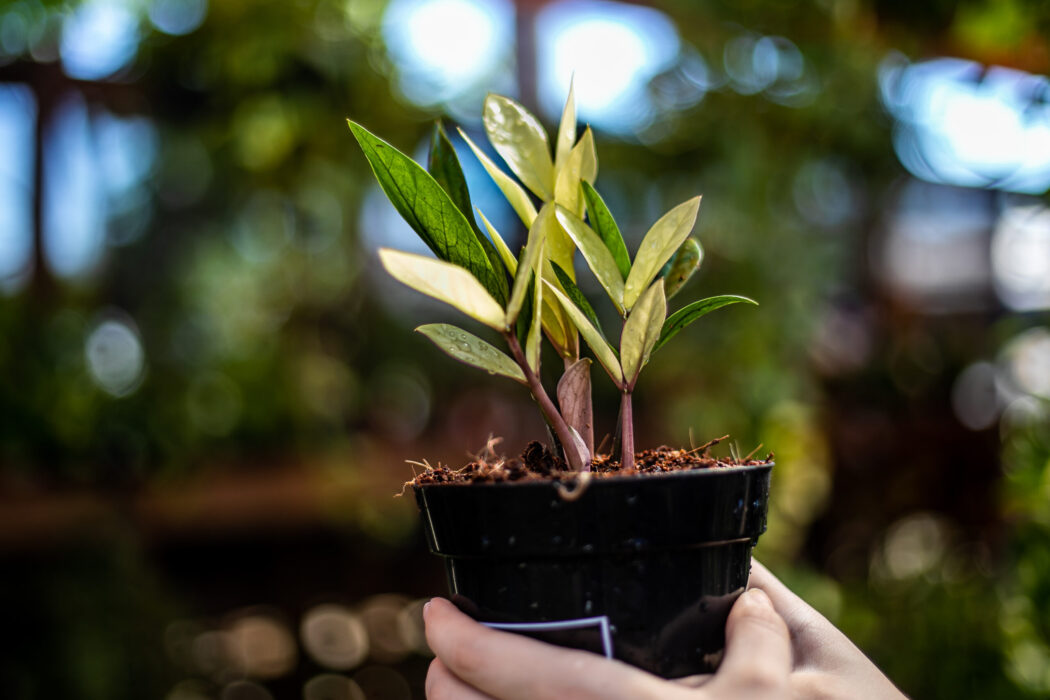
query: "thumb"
758, 650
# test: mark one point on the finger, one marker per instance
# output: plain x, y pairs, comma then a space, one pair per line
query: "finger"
758, 650
813, 637
694, 681
510, 666
442, 684
793, 609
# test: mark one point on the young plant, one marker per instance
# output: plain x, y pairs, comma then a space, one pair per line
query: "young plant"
535, 293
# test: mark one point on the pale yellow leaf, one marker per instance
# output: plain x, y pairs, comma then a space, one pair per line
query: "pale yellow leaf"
534, 246
535, 335
581, 164
515, 193
659, 244
594, 338
641, 331
567, 129
519, 138
444, 281
597, 255
501, 247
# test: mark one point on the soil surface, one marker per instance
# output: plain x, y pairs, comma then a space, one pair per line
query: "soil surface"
538, 463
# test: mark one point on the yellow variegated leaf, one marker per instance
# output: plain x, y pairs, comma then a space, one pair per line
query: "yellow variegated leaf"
472, 350
566, 130
659, 244
641, 331
568, 342
597, 255
581, 164
535, 335
554, 324
561, 249
446, 282
515, 194
504, 252
594, 339
519, 138
530, 262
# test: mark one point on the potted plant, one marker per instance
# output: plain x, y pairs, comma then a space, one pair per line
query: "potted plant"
635, 555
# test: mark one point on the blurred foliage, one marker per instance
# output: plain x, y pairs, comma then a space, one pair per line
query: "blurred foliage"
267, 339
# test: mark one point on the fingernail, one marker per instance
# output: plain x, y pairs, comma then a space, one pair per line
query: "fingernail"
426, 607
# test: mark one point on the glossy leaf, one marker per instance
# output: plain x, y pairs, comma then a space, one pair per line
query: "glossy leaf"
574, 400
641, 331
687, 314
443, 165
577, 297
598, 257
446, 282
530, 260
603, 223
472, 350
509, 261
681, 266
566, 129
428, 209
514, 193
594, 339
520, 139
581, 164
659, 244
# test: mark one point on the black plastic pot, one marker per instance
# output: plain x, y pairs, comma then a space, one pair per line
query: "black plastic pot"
642, 568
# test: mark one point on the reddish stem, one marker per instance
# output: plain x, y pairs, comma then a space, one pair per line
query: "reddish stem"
626, 432
561, 428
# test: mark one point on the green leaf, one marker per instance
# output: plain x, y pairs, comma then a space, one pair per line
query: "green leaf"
443, 165
604, 225
566, 129
681, 267
428, 210
514, 193
605, 354
659, 244
446, 282
472, 350
641, 331
519, 138
598, 257
509, 261
581, 164
577, 297
530, 260
689, 313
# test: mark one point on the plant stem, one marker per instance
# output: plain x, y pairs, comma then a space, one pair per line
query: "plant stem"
626, 431
561, 428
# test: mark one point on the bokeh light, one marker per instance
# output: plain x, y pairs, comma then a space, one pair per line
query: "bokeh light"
433, 69
334, 637
115, 357
17, 116
99, 38
966, 124
177, 16
613, 50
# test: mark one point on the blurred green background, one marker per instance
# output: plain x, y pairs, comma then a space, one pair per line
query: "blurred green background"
207, 391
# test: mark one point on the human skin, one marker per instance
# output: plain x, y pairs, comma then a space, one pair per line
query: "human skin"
777, 647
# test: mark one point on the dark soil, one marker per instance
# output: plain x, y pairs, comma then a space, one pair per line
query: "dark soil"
538, 463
